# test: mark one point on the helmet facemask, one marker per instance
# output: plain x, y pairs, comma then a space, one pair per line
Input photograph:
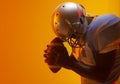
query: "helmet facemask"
75, 37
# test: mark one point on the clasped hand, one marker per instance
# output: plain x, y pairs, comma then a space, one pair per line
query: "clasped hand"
56, 54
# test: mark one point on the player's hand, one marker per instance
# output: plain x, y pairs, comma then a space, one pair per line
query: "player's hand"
56, 54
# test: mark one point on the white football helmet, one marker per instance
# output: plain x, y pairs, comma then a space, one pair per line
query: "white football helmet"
69, 23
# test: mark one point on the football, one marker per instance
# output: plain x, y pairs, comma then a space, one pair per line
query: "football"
55, 42
54, 68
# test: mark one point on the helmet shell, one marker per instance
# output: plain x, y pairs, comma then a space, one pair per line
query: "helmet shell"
69, 18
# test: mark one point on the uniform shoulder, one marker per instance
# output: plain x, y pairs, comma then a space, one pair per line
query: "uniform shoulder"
106, 18
103, 21
102, 31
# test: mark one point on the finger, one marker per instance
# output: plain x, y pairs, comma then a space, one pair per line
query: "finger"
45, 55
50, 50
50, 60
48, 45
45, 51
50, 55
46, 60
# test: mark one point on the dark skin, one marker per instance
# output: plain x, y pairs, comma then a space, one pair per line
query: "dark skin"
52, 56
58, 55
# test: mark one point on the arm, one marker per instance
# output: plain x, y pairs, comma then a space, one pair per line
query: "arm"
99, 72
58, 56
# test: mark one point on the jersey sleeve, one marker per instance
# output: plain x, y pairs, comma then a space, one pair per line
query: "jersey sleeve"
104, 33
109, 39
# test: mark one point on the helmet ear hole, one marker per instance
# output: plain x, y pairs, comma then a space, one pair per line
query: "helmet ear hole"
63, 6
81, 21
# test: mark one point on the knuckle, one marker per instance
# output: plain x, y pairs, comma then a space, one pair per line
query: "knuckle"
45, 55
45, 51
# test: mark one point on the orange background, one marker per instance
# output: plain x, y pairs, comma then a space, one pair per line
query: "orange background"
25, 30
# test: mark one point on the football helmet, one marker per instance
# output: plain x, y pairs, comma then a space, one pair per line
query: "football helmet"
69, 23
